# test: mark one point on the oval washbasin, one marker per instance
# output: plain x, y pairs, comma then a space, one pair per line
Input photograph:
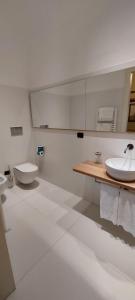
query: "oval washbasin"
122, 169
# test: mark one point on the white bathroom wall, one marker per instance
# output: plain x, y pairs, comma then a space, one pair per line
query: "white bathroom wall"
14, 111
14, 36
48, 41
64, 150
78, 37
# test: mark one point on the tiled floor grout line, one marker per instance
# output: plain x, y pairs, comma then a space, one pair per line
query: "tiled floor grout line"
39, 211
41, 258
50, 248
46, 252
72, 248
13, 206
63, 205
53, 223
43, 215
33, 266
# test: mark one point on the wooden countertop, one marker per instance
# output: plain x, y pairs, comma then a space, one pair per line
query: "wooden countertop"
98, 171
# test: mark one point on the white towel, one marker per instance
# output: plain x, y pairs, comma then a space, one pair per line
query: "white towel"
109, 198
126, 212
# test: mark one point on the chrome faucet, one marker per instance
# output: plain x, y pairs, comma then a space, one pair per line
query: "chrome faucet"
129, 147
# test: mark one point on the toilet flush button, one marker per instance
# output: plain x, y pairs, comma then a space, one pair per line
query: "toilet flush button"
40, 150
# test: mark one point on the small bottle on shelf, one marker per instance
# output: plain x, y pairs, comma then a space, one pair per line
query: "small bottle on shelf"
98, 157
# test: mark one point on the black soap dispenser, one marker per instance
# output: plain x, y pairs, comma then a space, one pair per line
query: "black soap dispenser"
10, 178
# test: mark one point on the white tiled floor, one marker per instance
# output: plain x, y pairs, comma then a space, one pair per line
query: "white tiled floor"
58, 253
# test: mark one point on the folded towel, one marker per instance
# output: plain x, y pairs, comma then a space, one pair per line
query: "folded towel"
109, 198
126, 212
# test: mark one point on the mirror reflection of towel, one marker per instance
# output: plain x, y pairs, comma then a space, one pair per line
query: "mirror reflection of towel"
104, 126
106, 114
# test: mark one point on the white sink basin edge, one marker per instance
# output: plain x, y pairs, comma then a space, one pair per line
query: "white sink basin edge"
122, 169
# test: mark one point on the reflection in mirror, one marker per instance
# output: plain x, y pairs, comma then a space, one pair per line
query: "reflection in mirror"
131, 115
106, 104
98, 103
61, 107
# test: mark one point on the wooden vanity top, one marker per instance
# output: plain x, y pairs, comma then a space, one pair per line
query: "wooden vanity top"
98, 171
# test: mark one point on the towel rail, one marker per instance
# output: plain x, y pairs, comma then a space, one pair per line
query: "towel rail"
98, 171
113, 184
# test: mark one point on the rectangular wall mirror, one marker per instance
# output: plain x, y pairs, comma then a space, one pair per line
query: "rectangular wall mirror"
104, 102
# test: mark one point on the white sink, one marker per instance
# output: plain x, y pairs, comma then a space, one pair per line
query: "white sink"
3, 181
122, 169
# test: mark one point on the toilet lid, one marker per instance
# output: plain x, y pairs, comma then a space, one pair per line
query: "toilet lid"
27, 167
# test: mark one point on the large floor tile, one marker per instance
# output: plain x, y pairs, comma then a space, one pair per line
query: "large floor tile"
56, 194
29, 237
72, 271
46, 185
23, 191
41, 203
63, 216
73, 201
80, 205
9, 199
105, 245
59, 254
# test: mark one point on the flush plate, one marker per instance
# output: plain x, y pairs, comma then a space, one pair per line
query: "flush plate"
16, 131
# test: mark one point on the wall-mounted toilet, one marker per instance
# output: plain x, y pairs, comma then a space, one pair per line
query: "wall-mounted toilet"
26, 172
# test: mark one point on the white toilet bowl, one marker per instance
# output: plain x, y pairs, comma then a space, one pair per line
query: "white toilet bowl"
26, 172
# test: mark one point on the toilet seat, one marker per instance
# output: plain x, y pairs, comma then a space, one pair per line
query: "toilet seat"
26, 167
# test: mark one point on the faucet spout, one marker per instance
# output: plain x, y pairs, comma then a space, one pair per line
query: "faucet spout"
129, 147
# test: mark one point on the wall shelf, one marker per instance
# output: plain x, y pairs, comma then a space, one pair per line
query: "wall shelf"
98, 171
